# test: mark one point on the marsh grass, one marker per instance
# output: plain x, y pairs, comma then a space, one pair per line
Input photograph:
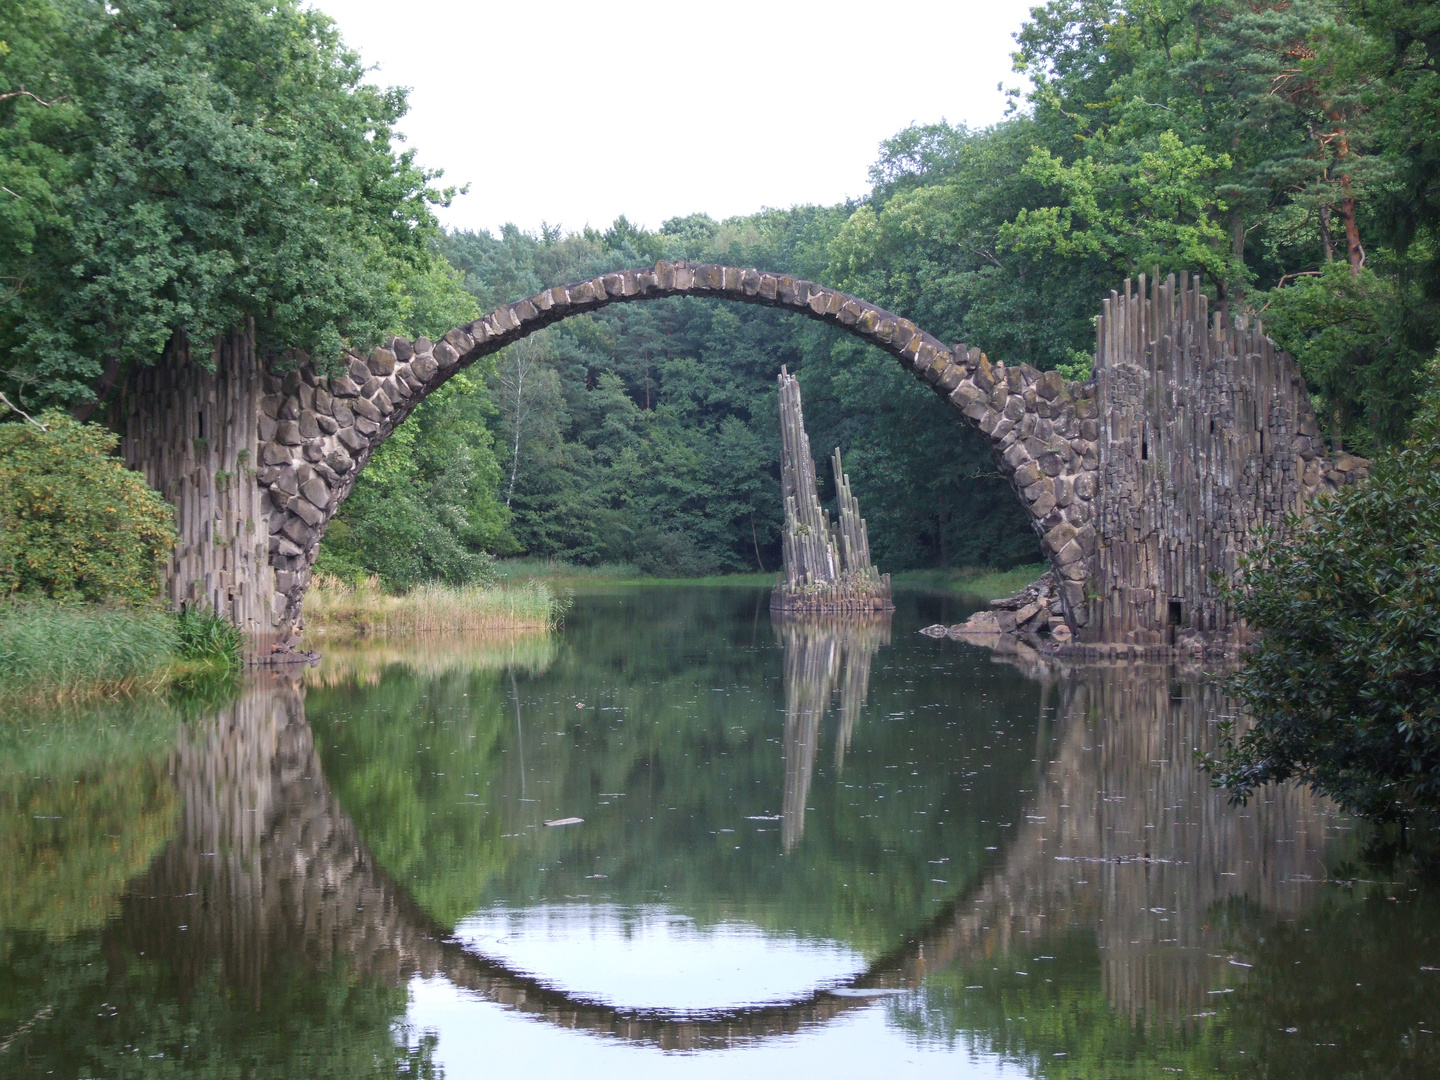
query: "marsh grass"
977, 583
53, 651
335, 608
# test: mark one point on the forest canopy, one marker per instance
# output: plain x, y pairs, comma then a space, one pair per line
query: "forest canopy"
183, 165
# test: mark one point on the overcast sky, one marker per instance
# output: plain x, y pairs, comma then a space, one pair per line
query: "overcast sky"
574, 113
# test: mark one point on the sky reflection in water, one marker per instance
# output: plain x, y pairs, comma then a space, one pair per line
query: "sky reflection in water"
832, 850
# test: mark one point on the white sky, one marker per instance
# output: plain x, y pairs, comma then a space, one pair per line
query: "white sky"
573, 113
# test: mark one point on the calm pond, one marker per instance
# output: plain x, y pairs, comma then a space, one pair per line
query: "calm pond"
833, 850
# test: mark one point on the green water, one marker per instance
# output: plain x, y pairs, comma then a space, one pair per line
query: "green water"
802, 850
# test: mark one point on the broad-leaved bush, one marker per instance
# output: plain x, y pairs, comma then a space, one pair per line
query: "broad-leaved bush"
75, 524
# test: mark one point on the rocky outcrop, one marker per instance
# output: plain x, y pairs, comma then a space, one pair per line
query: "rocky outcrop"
827, 565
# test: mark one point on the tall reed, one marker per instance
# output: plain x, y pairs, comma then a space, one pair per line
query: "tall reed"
335, 607
54, 650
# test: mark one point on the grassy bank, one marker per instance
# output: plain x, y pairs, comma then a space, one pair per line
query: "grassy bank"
338, 609
55, 652
976, 583
571, 575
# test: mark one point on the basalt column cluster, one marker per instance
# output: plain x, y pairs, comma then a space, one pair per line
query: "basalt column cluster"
827, 568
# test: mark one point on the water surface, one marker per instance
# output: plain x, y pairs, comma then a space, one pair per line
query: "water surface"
820, 849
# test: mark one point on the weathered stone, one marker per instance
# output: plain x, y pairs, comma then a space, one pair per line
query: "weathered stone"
1016, 456
286, 481
306, 511
1068, 554
340, 461
266, 428
425, 368
274, 454
1064, 490
381, 362
1051, 463
270, 405
1044, 501
445, 355
316, 491
327, 425
324, 403
296, 529
1049, 385
364, 408
1026, 613
288, 433
352, 440
309, 429
312, 450
342, 386
382, 402
1026, 475
365, 426
1058, 536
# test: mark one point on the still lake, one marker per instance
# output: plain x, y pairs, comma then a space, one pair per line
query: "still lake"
834, 850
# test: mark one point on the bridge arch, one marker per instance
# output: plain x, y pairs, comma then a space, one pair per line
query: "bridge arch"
317, 431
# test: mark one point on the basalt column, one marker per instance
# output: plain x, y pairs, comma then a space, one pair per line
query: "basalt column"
1207, 438
190, 424
827, 568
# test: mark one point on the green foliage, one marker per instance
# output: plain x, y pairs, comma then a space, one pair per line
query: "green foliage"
1344, 685
185, 166
427, 507
74, 523
85, 803
1349, 333
46, 647
206, 638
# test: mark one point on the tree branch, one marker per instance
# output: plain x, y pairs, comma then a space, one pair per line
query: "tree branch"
22, 92
15, 408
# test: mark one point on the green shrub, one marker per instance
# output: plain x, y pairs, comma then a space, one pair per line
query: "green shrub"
47, 646
75, 524
1344, 685
209, 638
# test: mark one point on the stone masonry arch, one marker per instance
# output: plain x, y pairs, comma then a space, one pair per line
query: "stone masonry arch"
1142, 483
316, 432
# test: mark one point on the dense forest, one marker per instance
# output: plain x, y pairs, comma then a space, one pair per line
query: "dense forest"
1285, 150
1288, 150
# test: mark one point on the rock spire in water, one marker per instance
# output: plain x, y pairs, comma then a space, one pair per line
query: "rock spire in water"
827, 568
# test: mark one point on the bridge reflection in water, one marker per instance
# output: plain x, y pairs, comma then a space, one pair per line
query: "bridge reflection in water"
1122, 839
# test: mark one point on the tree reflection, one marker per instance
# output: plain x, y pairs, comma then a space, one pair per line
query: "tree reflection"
293, 860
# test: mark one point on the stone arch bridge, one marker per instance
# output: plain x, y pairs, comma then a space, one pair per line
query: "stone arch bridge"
1140, 482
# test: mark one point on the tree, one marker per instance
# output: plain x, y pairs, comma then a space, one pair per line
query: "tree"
1344, 684
178, 165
